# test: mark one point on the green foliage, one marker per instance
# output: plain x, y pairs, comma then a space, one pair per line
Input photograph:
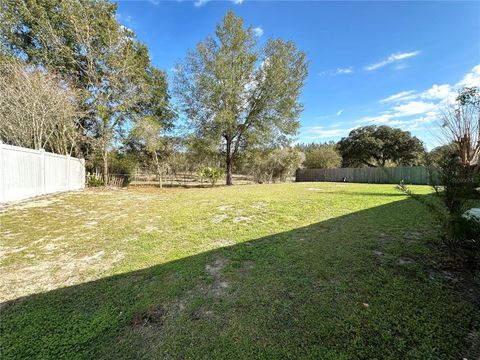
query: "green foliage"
83, 43
121, 164
437, 155
379, 146
321, 156
212, 174
267, 165
94, 181
238, 94
458, 186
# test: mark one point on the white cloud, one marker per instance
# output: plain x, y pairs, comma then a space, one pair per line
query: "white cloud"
401, 96
337, 71
437, 92
419, 110
258, 31
471, 79
339, 112
413, 108
318, 132
378, 119
392, 58
341, 71
199, 3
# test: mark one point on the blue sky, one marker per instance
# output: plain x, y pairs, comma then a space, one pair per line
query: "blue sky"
393, 63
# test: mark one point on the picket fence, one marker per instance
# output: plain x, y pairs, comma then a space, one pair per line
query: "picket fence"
26, 173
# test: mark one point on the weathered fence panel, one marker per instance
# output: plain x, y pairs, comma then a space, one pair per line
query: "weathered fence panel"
394, 175
26, 173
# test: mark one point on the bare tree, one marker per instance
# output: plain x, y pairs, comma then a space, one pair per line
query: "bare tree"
37, 109
461, 126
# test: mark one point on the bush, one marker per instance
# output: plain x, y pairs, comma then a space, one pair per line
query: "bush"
456, 186
212, 174
94, 180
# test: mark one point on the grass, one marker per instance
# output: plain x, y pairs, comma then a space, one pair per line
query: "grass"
306, 270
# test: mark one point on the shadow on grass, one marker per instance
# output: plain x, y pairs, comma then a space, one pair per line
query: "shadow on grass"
337, 289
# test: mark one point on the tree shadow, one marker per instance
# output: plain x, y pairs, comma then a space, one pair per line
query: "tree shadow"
356, 286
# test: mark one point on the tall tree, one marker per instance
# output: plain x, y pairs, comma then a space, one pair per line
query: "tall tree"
238, 93
82, 41
380, 145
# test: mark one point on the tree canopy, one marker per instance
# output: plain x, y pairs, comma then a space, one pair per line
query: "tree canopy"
83, 43
379, 146
239, 94
321, 156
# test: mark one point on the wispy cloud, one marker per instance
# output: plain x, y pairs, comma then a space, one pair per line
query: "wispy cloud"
391, 59
258, 31
341, 71
319, 132
337, 71
200, 3
401, 96
437, 92
414, 110
339, 112
472, 78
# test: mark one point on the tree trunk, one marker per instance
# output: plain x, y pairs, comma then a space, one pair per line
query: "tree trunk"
105, 166
229, 164
159, 169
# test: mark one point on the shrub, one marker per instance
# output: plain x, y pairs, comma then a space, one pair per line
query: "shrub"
212, 174
456, 186
94, 180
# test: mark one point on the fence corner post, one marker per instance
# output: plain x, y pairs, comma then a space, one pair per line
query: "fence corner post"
42, 170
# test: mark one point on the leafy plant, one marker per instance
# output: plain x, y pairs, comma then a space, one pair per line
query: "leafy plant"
95, 180
212, 174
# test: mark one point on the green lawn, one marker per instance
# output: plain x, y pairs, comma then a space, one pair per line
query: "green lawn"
306, 270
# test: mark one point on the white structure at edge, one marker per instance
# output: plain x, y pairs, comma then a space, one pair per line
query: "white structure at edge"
25, 173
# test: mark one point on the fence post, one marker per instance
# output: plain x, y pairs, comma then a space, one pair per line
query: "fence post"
2, 175
42, 170
84, 180
67, 180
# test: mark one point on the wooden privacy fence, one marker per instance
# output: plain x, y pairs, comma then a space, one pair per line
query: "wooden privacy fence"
370, 175
26, 173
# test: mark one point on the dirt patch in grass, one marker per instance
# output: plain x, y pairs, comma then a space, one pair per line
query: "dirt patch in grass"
220, 284
150, 317
63, 269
